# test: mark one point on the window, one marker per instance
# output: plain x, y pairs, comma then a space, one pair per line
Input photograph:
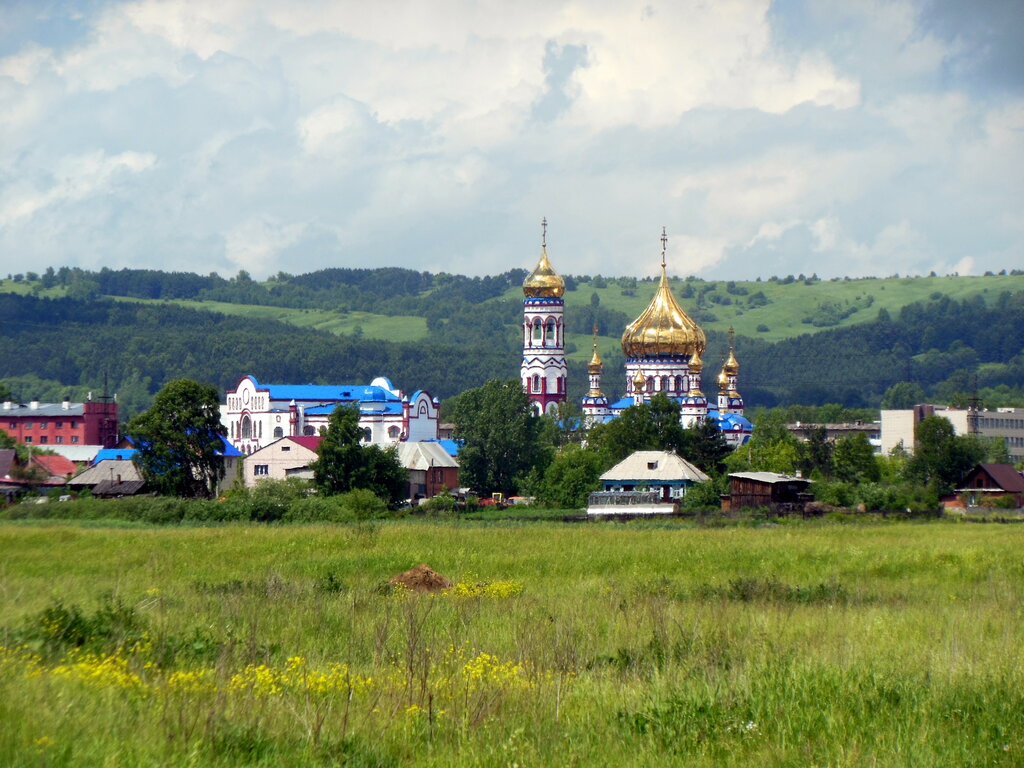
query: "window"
74, 425
74, 438
28, 439
14, 425
549, 340
43, 425
537, 331
652, 465
536, 382
44, 439
261, 469
58, 424
58, 439
278, 432
28, 425
367, 434
394, 432
286, 447
308, 430
246, 428
664, 384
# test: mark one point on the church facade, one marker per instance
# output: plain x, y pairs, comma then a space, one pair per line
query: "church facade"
256, 414
664, 351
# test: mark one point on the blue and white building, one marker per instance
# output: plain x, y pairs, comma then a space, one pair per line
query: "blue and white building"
256, 414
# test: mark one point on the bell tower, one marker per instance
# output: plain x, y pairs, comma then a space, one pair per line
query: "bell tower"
543, 371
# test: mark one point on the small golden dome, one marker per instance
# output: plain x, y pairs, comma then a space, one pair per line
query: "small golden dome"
731, 365
723, 381
595, 365
663, 329
639, 382
696, 364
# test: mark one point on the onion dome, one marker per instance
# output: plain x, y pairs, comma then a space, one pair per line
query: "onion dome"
639, 382
663, 329
723, 381
544, 282
696, 366
731, 366
596, 364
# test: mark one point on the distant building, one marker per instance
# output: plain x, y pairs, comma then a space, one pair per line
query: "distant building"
1006, 424
543, 370
65, 425
284, 458
834, 432
431, 469
256, 414
111, 478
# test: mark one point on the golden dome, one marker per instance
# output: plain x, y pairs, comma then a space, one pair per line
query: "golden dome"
595, 365
696, 366
723, 381
731, 365
663, 329
594, 368
639, 382
544, 282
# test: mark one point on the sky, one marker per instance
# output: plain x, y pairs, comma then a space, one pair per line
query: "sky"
836, 137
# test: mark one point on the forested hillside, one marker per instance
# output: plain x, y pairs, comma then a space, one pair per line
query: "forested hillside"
61, 332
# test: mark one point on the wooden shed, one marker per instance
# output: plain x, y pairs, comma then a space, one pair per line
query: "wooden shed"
779, 493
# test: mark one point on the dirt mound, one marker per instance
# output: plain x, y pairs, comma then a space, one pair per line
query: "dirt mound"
422, 578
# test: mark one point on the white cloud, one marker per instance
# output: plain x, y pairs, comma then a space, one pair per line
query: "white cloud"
217, 135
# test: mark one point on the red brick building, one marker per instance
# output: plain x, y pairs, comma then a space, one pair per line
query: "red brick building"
93, 422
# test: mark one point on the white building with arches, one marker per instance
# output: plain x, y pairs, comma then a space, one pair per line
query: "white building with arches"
256, 414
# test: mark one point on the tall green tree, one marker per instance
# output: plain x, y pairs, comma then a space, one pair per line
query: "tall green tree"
941, 457
179, 440
902, 395
855, 460
500, 436
651, 426
344, 464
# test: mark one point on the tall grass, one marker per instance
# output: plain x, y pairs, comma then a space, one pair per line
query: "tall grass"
893, 644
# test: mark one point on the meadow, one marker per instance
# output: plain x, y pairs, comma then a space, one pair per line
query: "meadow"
892, 644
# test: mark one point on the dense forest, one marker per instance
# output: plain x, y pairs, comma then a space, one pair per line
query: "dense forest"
68, 345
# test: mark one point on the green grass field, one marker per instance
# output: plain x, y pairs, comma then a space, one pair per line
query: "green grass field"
569, 645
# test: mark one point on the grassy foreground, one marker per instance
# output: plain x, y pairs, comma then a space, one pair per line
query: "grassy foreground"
589, 645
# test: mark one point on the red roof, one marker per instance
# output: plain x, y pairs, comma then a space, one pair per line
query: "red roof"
56, 466
307, 441
1007, 478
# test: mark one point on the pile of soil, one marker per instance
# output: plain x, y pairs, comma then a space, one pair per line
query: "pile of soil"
422, 578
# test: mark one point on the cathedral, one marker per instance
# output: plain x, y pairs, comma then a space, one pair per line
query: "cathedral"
663, 349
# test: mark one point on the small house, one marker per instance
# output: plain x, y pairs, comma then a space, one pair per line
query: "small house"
988, 482
661, 471
431, 468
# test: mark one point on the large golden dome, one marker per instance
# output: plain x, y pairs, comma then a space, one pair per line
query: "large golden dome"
663, 329
544, 282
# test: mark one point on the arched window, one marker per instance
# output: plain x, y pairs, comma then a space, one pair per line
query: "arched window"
650, 383
549, 338
664, 384
367, 434
308, 430
536, 382
278, 432
246, 427
394, 432
538, 331
679, 383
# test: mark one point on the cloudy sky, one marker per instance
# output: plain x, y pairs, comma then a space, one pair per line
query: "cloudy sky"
860, 137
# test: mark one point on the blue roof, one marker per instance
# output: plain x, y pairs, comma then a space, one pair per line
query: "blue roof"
229, 450
451, 447
325, 392
120, 454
